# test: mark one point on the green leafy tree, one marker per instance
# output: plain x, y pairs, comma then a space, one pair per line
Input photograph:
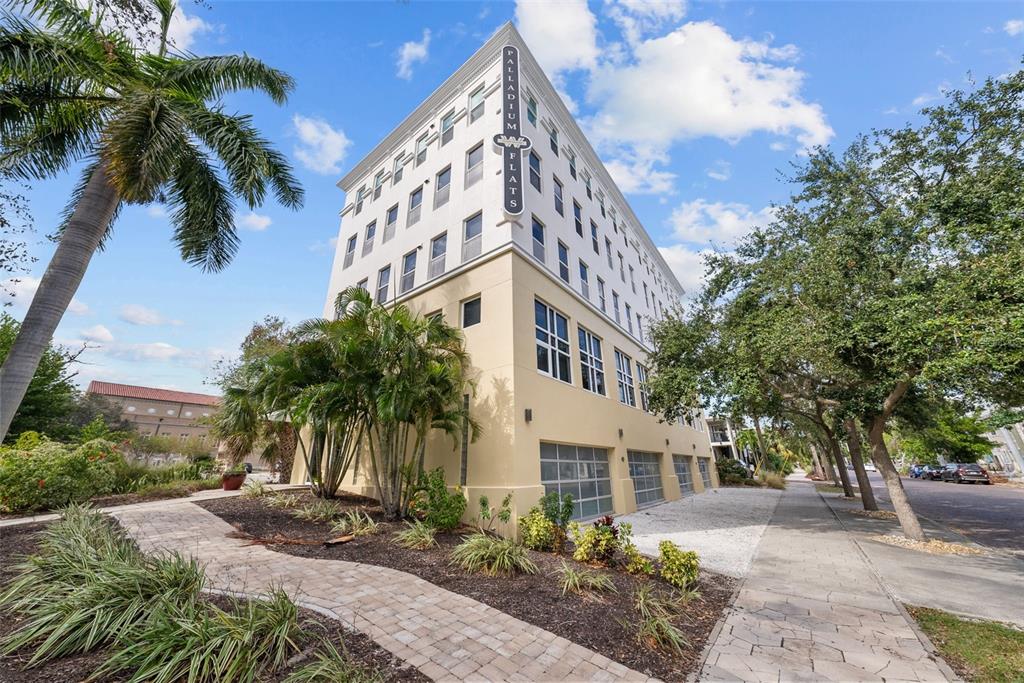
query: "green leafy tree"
149, 127
944, 431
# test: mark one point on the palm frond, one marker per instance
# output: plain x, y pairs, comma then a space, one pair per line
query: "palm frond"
210, 78
141, 145
202, 212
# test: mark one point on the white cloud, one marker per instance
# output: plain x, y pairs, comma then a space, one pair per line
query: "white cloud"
561, 35
700, 81
1014, 27
721, 223
321, 148
137, 314
411, 53
720, 170
253, 221
161, 351
156, 211
18, 292
184, 28
686, 264
637, 18
97, 333
777, 146
320, 245
634, 173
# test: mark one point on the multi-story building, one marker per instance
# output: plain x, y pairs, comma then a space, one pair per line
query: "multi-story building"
537, 256
179, 414
1008, 455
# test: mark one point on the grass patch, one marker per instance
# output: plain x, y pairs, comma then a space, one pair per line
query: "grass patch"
416, 536
977, 650
331, 665
319, 510
583, 581
493, 556
355, 523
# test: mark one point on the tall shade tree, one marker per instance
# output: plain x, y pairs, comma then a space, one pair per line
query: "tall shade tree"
149, 127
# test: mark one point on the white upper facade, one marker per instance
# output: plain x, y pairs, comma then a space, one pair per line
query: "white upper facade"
427, 201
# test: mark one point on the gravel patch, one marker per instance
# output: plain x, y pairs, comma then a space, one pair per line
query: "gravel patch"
723, 525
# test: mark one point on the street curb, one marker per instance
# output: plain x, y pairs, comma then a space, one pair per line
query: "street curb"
929, 646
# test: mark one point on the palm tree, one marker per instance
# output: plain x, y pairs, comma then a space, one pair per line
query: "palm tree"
148, 126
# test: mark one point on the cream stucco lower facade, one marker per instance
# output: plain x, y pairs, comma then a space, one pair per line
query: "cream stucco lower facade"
524, 412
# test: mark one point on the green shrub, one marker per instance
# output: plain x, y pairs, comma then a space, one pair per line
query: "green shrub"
319, 510
256, 489
355, 523
537, 531
441, 508
417, 536
583, 580
52, 475
680, 568
598, 543
492, 556
488, 515
634, 562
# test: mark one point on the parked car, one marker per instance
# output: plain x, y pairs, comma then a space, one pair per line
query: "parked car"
931, 472
959, 472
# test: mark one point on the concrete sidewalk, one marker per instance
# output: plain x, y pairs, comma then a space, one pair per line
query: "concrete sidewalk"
812, 608
988, 586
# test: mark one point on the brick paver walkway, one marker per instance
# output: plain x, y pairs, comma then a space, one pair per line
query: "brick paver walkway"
812, 609
446, 635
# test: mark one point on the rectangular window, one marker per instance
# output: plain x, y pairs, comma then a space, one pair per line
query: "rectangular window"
390, 223
415, 205
559, 204
383, 282
442, 187
624, 378
586, 182
378, 183
705, 472
577, 217
360, 196
584, 279
593, 237
350, 251
572, 165
552, 332
471, 312
408, 272
447, 127
645, 397
629, 318
608, 252
474, 165
591, 361
472, 236
615, 306
683, 473
421, 149
396, 173
371, 232
645, 471
476, 104
537, 228
531, 110
563, 261
600, 203
438, 251
363, 284
553, 140
535, 171
600, 295
622, 267
581, 472
632, 280
639, 327
647, 301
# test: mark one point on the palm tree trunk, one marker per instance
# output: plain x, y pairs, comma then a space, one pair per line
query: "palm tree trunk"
880, 454
867, 494
79, 241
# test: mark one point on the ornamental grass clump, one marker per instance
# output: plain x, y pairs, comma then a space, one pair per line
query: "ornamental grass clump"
355, 523
583, 581
657, 629
283, 501
416, 536
88, 584
319, 510
256, 489
331, 665
492, 556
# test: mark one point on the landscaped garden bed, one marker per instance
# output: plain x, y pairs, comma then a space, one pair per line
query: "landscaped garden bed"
606, 621
311, 634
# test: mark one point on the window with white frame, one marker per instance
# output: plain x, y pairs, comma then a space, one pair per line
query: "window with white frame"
645, 396
608, 252
645, 471
531, 110
586, 183
584, 279
371, 232
624, 378
537, 230
415, 206
535, 171
632, 280
557, 191
553, 139
577, 217
476, 104
622, 267
421, 149
593, 238
363, 284
563, 262
580, 472
615, 306
383, 284
572, 165
629, 318
390, 222
472, 236
438, 251
396, 173
447, 127
350, 251
552, 333
600, 203
408, 280
474, 165
600, 295
378, 183
442, 187
360, 196
591, 361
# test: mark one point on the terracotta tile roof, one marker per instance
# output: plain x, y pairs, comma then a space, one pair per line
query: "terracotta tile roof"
151, 394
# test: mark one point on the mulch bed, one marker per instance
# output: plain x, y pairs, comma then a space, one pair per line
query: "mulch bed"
120, 499
18, 541
607, 626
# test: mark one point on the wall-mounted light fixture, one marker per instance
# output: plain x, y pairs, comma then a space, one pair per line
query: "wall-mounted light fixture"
666, 442
620, 432
529, 415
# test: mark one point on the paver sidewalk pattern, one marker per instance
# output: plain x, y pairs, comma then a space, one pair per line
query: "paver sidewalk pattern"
445, 635
812, 609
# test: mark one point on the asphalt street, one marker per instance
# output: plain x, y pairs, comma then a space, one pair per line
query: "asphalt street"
990, 515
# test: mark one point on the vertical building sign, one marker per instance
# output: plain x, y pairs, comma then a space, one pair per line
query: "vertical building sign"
511, 143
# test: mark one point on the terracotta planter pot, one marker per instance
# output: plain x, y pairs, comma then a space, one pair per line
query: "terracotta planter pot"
232, 482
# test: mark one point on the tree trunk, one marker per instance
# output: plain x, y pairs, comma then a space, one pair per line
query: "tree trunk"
837, 453
819, 471
763, 460
81, 238
880, 455
829, 466
867, 494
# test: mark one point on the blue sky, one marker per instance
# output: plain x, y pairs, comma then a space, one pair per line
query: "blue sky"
697, 108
